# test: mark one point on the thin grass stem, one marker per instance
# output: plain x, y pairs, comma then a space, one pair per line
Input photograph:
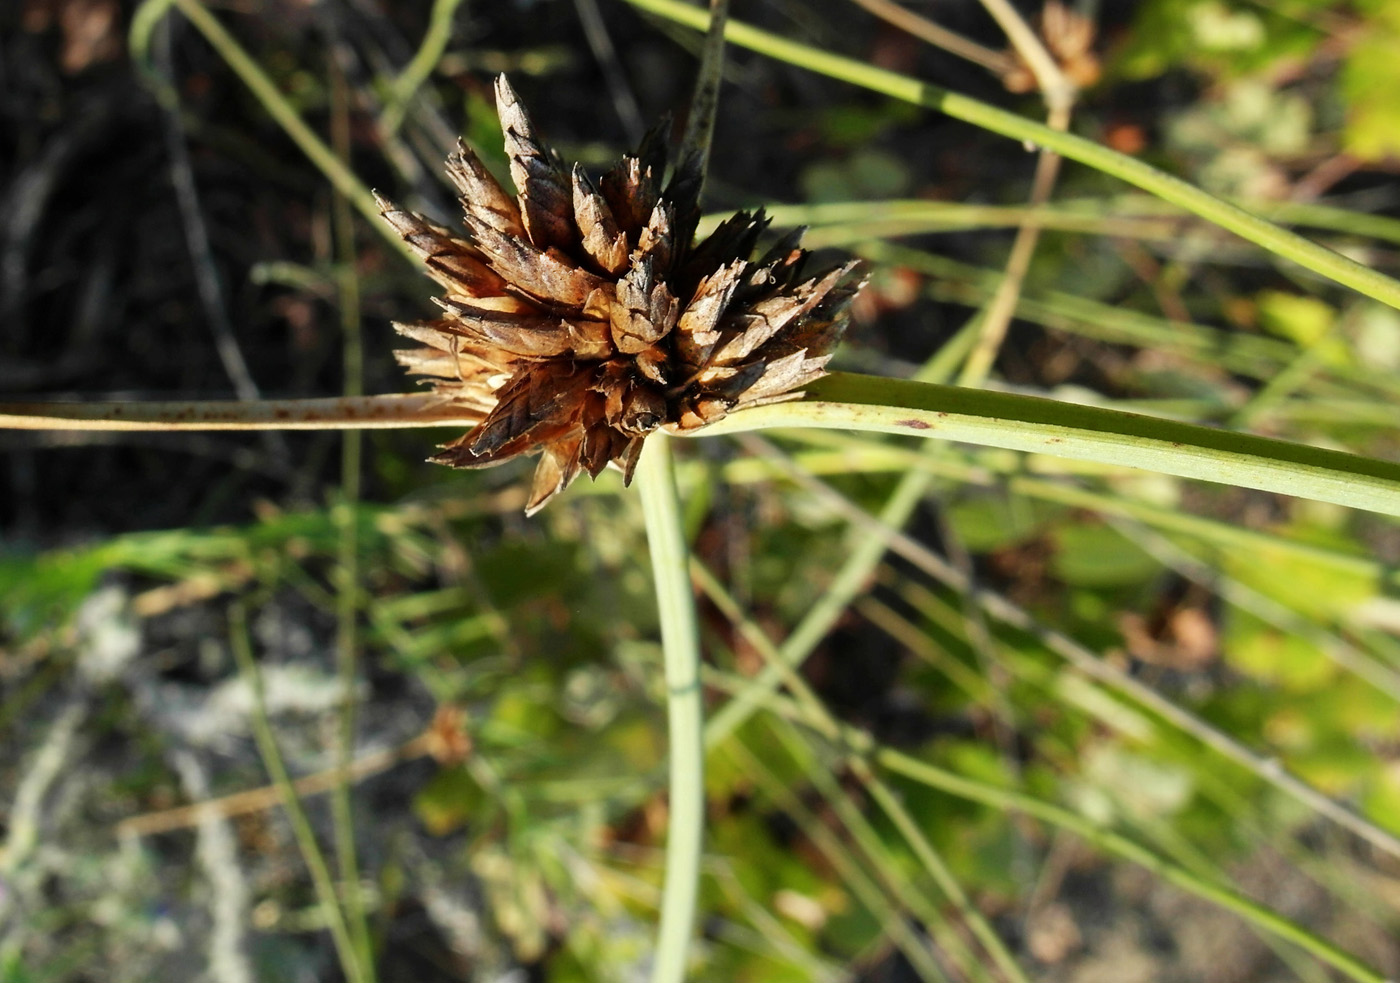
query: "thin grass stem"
680, 639
347, 541
937, 866
350, 962
704, 105
932, 861
997, 317
1269, 770
336, 171
393, 411
1110, 842
1305, 213
875, 898
894, 880
1275, 239
996, 62
420, 67
1057, 90
595, 31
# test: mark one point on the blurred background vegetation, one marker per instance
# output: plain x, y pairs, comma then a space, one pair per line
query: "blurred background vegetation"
1152, 658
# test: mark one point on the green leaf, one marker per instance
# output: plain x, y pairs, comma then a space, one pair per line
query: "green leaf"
42, 592
1223, 38
1370, 80
1145, 788
986, 523
1099, 556
1382, 798
1324, 595
449, 800
1086, 433
1301, 319
1335, 767
1273, 656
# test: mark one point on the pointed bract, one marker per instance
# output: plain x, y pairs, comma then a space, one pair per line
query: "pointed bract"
602, 240
482, 197
541, 186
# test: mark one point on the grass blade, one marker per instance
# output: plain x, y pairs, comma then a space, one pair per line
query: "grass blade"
1274, 238
1086, 433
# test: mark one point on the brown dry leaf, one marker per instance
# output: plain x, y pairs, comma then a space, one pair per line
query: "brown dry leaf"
581, 316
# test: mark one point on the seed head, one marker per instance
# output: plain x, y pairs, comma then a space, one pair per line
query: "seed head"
579, 317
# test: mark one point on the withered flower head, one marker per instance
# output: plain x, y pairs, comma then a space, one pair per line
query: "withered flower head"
578, 318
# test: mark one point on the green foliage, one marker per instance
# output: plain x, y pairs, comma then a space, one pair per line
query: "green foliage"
1099, 556
1249, 612
1232, 37
1370, 76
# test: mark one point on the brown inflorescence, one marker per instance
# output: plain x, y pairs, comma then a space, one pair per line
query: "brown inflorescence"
579, 317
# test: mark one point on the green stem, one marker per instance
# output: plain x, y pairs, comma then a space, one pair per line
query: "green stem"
845, 454
861, 743
998, 607
680, 638
1086, 433
429, 53
1279, 241
938, 868
336, 171
1130, 215
857, 823
880, 900
347, 545
996, 318
301, 825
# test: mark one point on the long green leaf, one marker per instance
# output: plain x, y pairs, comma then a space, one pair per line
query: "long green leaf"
1086, 433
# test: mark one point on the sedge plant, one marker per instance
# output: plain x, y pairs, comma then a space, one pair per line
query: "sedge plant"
688, 402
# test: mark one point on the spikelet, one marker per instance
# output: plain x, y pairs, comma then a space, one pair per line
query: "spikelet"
579, 317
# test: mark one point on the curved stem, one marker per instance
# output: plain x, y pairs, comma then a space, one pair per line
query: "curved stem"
680, 638
842, 401
1279, 241
860, 743
1088, 433
420, 68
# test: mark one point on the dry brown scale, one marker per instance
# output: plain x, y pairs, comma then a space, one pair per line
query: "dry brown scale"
578, 318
